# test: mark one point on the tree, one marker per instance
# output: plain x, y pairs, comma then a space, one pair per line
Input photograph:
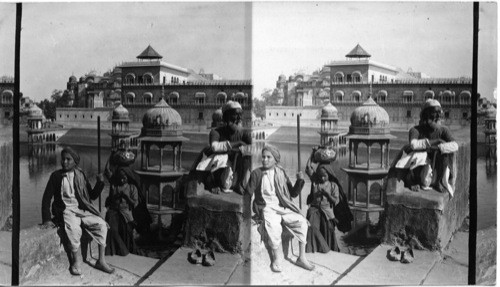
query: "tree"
48, 108
259, 108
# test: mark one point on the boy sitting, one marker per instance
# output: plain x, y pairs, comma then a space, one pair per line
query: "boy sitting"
72, 207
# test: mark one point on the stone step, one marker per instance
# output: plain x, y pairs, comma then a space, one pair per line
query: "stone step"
329, 267
376, 269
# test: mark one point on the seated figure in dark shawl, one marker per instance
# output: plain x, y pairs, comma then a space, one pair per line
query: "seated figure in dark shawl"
126, 211
429, 155
224, 169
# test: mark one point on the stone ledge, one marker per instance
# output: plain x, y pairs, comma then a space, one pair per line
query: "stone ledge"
430, 216
37, 247
430, 199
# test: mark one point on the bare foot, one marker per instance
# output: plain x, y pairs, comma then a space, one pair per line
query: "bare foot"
304, 263
415, 187
103, 266
275, 267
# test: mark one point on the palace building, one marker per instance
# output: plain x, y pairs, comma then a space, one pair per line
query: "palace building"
142, 83
347, 83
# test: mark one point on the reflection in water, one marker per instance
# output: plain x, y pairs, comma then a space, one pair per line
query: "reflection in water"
40, 156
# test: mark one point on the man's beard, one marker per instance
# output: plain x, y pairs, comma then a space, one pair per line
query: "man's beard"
234, 126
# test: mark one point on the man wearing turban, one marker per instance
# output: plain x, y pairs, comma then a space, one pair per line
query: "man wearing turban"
273, 205
224, 157
72, 208
430, 152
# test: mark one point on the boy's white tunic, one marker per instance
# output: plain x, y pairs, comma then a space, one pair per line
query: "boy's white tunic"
275, 215
74, 217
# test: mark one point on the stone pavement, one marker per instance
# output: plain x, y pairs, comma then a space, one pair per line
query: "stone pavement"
328, 267
5, 257
129, 270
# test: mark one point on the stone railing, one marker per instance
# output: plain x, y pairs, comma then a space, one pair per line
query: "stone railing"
430, 216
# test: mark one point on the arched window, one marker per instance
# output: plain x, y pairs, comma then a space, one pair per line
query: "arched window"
130, 79
148, 78
447, 97
129, 98
240, 97
338, 96
356, 77
7, 97
429, 94
221, 98
173, 98
147, 98
356, 96
338, 77
464, 98
381, 96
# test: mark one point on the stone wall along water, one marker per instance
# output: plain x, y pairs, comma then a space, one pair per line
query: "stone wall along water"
6, 163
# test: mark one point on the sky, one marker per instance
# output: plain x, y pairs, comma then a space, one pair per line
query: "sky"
258, 40
430, 37
63, 39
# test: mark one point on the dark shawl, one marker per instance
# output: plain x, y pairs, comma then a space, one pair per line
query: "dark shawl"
341, 210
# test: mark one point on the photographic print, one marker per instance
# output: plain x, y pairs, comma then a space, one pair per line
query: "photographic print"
344, 93
121, 102
249, 143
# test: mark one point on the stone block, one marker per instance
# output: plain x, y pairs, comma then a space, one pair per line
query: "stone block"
37, 247
216, 216
431, 216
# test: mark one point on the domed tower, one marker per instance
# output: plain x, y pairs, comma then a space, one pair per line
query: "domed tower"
490, 130
161, 132
369, 137
329, 133
35, 126
120, 128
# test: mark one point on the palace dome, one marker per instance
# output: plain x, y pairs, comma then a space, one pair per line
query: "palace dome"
329, 111
35, 112
161, 115
120, 113
282, 78
72, 79
369, 118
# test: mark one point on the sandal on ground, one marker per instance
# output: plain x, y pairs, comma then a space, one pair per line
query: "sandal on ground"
195, 257
209, 259
275, 268
394, 254
407, 256
303, 265
75, 271
103, 268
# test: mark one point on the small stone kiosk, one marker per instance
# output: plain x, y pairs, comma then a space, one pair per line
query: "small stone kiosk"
37, 133
161, 132
120, 128
329, 132
369, 129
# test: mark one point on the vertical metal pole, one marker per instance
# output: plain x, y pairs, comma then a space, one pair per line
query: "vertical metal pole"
99, 152
473, 162
298, 155
16, 184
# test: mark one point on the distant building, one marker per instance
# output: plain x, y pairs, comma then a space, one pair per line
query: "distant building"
350, 81
140, 84
7, 100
